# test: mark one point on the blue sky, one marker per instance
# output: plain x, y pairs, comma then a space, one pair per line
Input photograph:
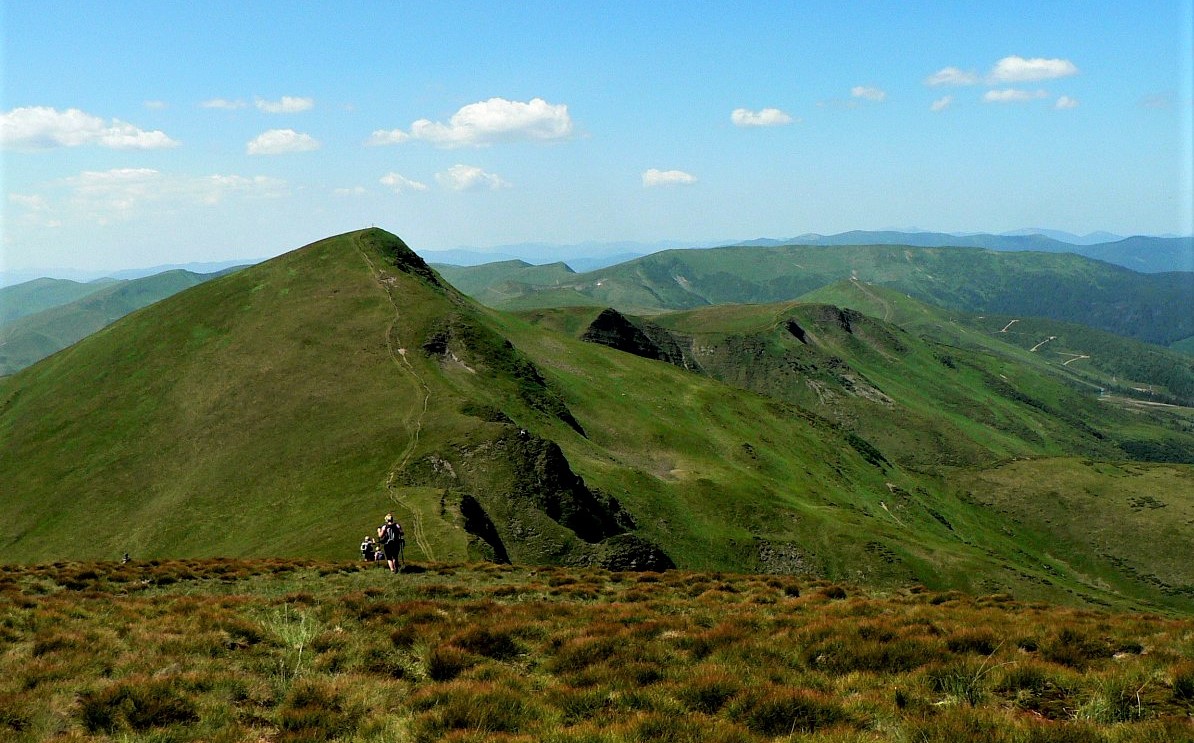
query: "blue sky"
136, 134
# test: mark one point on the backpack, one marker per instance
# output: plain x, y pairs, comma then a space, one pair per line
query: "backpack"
391, 533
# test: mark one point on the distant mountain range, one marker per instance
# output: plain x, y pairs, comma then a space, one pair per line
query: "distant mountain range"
41, 317
1141, 253
1152, 307
1146, 254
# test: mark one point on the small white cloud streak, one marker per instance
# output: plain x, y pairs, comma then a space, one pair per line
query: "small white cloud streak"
1020, 70
42, 127
654, 177
469, 178
156, 105
281, 142
354, 191
222, 104
1013, 95
488, 122
765, 117
31, 202
288, 105
381, 137
868, 93
1065, 102
400, 183
952, 76
942, 103
103, 197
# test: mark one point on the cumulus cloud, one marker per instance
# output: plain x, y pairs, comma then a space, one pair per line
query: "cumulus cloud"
223, 104
469, 178
121, 194
1065, 102
765, 117
386, 136
281, 142
488, 122
1014, 95
655, 177
111, 195
288, 105
1020, 70
868, 93
402, 184
942, 103
41, 127
37, 212
952, 76
32, 202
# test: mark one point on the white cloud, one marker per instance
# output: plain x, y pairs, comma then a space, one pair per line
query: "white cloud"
280, 142
288, 105
31, 202
386, 136
488, 122
1020, 70
766, 117
1013, 95
869, 93
401, 184
1065, 102
156, 105
354, 191
469, 178
952, 76
125, 194
942, 103
112, 195
223, 104
655, 177
41, 127
37, 212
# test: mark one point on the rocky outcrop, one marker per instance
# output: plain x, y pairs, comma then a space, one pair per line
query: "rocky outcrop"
639, 337
520, 501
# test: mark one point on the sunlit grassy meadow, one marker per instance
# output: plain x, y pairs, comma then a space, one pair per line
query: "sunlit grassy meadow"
230, 650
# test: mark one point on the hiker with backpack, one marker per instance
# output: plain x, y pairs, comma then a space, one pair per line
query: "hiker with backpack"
368, 549
393, 542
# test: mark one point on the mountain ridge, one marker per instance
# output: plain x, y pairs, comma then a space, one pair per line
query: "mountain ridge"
279, 410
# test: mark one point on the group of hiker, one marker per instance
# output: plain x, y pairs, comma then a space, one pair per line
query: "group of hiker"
389, 545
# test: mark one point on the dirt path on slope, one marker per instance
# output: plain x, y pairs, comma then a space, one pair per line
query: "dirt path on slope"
413, 421
883, 302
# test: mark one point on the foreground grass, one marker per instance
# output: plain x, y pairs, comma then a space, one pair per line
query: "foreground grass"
228, 650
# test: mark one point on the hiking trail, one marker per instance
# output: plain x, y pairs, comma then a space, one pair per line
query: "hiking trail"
413, 421
882, 302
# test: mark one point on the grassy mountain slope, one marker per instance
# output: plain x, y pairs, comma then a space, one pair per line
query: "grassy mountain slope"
968, 402
1148, 307
282, 409
35, 336
34, 296
1087, 356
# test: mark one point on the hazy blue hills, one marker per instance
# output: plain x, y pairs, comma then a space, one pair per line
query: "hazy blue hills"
62, 321
1152, 307
34, 296
1140, 253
